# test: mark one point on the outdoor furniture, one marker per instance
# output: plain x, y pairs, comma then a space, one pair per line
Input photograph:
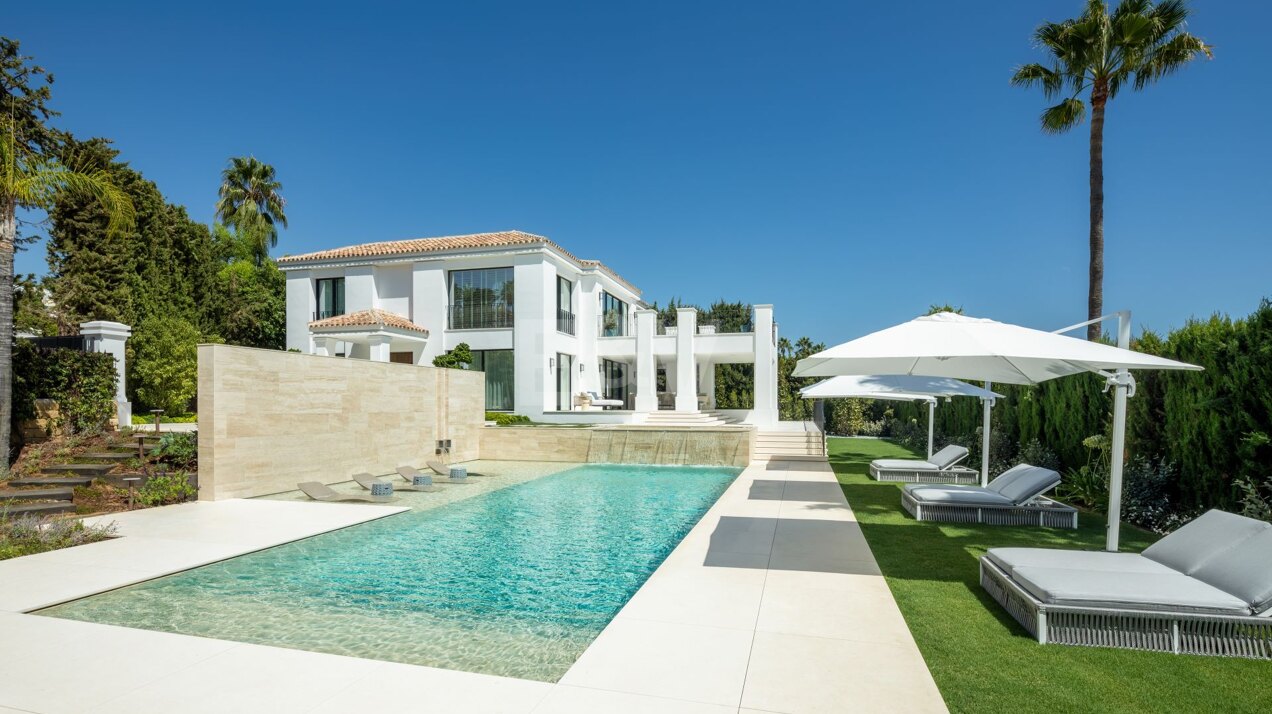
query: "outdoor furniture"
940, 468
442, 469
603, 403
410, 473
1204, 589
370, 483
320, 492
1013, 499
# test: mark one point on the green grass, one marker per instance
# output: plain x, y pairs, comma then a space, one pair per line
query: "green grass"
981, 658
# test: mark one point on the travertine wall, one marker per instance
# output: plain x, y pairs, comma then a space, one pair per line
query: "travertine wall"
635, 445
270, 419
530, 443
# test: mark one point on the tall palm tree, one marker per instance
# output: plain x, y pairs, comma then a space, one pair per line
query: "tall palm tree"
251, 201
28, 180
1137, 44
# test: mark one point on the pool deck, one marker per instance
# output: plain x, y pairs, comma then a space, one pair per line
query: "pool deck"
772, 603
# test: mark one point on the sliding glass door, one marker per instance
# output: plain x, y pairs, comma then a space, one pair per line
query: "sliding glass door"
499, 368
564, 377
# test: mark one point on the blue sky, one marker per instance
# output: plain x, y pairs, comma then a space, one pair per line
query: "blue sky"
850, 164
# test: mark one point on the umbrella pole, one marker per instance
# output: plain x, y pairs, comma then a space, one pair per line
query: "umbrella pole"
931, 422
1122, 380
989, 404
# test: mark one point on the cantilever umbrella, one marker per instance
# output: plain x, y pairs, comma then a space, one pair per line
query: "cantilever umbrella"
898, 387
951, 345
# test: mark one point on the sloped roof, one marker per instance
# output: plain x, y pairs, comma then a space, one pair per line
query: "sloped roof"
411, 246
369, 318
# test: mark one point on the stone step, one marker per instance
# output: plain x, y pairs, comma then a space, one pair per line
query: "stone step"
85, 469
27, 509
109, 455
52, 481
37, 494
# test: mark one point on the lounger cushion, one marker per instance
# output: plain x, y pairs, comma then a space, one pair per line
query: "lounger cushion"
903, 465
1008, 477
1028, 484
948, 456
1011, 558
1188, 548
1244, 570
1171, 592
956, 495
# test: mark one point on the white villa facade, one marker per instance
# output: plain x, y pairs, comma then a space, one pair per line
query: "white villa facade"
545, 326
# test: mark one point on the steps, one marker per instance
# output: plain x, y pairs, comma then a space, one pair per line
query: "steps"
119, 456
89, 470
45, 508
793, 445
669, 418
70, 481
36, 501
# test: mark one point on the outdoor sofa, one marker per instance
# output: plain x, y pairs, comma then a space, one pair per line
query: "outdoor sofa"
1013, 499
1205, 589
941, 467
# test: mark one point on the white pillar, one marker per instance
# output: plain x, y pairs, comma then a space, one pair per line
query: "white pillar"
301, 304
378, 348
931, 424
989, 404
111, 337
322, 346
765, 413
646, 366
1121, 383
686, 364
706, 379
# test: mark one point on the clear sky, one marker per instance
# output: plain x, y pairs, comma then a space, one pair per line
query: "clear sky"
849, 162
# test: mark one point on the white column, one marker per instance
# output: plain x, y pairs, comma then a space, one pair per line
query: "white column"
646, 366
322, 346
111, 337
301, 304
378, 348
1121, 383
765, 366
931, 424
686, 365
989, 404
706, 380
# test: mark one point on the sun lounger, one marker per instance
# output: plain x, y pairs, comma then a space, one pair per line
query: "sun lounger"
442, 469
597, 401
369, 482
1204, 589
1013, 499
940, 468
319, 492
410, 473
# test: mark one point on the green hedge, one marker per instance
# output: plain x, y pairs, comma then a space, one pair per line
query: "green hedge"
82, 384
506, 418
1209, 430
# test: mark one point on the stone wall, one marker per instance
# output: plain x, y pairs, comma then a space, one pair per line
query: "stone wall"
533, 443
270, 419
730, 446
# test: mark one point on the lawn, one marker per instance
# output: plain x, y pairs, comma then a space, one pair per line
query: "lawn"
981, 658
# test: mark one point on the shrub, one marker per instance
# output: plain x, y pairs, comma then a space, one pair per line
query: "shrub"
24, 535
165, 488
458, 358
1146, 499
82, 384
181, 449
167, 419
506, 419
166, 363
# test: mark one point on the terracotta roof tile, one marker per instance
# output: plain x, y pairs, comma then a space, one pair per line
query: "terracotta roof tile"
412, 246
369, 318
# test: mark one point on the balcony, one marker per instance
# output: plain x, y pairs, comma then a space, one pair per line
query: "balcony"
479, 317
614, 324
565, 321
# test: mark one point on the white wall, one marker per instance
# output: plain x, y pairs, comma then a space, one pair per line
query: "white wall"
393, 290
301, 304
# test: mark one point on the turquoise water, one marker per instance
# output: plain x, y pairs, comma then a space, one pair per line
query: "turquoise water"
515, 582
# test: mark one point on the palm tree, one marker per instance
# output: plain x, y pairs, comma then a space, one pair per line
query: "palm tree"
28, 180
250, 201
1136, 45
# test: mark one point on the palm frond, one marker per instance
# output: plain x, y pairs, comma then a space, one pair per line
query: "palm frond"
1169, 57
1063, 116
1050, 79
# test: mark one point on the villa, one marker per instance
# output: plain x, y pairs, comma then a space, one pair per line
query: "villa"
546, 327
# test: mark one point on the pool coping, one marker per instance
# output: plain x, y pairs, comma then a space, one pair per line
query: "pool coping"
772, 602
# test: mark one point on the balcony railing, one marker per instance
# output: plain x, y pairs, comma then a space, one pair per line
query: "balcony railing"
479, 317
565, 321
612, 325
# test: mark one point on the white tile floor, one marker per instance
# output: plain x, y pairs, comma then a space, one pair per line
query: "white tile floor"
772, 603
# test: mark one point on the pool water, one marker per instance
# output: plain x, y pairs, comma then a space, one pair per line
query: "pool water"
514, 582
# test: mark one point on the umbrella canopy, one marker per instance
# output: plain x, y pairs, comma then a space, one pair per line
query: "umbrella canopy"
898, 387
951, 345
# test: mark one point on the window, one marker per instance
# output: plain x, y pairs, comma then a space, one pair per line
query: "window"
331, 297
564, 382
481, 298
613, 316
565, 303
613, 380
499, 369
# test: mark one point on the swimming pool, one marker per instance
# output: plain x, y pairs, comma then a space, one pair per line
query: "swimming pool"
515, 582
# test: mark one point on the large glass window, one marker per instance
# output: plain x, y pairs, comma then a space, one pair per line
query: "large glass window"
480, 298
614, 380
331, 297
499, 368
613, 316
565, 306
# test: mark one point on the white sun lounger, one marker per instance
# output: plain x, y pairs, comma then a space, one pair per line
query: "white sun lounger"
1205, 589
410, 473
941, 468
321, 492
442, 469
367, 481
1013, 499
597, 401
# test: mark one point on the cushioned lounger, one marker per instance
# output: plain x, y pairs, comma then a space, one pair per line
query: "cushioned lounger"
1204, 589
1013, 499
940, 468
